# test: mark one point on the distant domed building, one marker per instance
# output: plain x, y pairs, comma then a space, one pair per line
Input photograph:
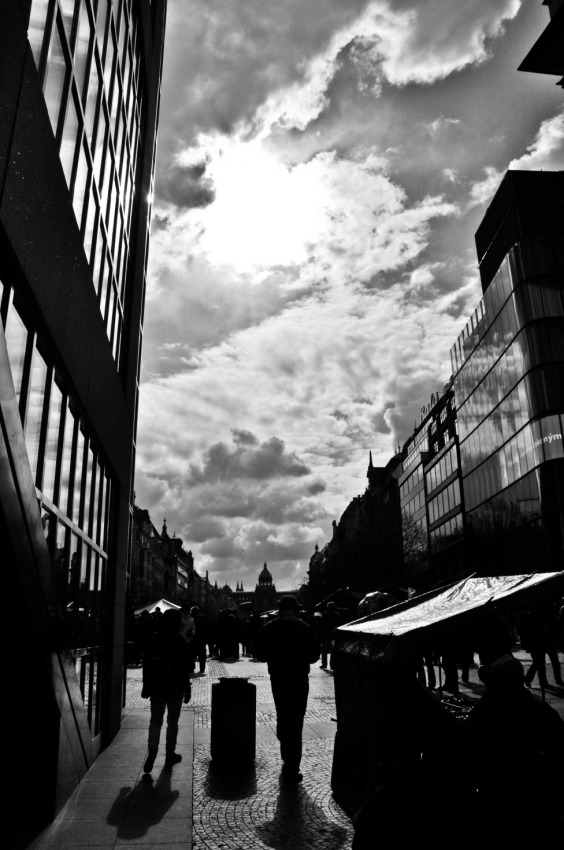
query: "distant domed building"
263, 598
265, 592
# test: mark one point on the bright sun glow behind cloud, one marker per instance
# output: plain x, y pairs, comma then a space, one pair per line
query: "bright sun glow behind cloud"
265, 213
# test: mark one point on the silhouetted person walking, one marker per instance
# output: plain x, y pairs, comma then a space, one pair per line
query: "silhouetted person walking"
166, 682
289, 646
200, 639
329, 622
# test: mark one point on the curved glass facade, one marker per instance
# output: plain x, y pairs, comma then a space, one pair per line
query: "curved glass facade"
509, 387
88, 55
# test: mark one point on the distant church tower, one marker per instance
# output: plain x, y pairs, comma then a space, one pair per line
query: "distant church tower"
372, 475
265, 592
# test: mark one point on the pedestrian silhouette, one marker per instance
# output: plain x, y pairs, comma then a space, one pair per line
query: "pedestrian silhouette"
166, 682
289, 646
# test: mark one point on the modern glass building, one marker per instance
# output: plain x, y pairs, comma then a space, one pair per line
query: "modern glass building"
431, 495
79, 100
509, 382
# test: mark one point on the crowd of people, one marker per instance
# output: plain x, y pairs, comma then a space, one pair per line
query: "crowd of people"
538, 630
507, 716
170, 645
231, 635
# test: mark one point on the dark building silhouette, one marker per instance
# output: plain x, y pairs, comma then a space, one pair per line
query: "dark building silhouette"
265, 591
365, 550
547, 54
79, 100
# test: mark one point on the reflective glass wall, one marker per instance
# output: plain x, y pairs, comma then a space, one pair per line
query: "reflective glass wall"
74, 489
509, 387
413, 509
88, 54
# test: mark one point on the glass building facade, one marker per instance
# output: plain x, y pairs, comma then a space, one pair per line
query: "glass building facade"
413, 505
73, 487
509, 383
79, 102
88, 55
431, 495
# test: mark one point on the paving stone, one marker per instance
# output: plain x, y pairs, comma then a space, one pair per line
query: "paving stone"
247, 808
251, 808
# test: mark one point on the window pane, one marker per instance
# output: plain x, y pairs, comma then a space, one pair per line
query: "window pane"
87, 491
100, 144
68, 142
36, 29
81, 48
90, 225
101, 23
80, 185
103, 513
73, 580
552, 437
52, 441
78, 475
55, 79
59, 558
110, 51
67, 8
34, 412
100, 481
66, 458
16, 342
110, 309
98, 257
91, 100
113, 202
104, 283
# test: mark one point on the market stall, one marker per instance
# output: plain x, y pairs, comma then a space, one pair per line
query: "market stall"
162, 604
384, 715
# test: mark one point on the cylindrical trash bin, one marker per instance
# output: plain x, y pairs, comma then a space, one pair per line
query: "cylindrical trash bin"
233, 720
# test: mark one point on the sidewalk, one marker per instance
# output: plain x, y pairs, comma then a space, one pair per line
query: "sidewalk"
196, 805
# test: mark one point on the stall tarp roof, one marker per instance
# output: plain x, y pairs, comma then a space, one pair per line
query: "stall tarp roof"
473, 595
163, 604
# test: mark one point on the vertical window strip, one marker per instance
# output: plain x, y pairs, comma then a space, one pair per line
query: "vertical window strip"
35, 411
16, 343
67, 13
56, 75
82, 47
37, 28
66, 462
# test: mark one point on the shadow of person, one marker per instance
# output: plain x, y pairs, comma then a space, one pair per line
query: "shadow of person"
154, 799
230, 781
300, 823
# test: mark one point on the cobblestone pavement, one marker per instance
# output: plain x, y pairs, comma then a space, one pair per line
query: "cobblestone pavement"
249, 808
321, 702
255, 810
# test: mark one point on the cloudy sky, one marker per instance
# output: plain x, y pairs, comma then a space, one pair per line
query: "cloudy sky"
322, 169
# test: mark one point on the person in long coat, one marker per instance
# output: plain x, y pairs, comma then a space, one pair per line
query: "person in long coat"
166, 682
289, 646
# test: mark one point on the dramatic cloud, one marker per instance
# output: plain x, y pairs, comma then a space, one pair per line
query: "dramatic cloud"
247, 460
545, 153
322, 170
